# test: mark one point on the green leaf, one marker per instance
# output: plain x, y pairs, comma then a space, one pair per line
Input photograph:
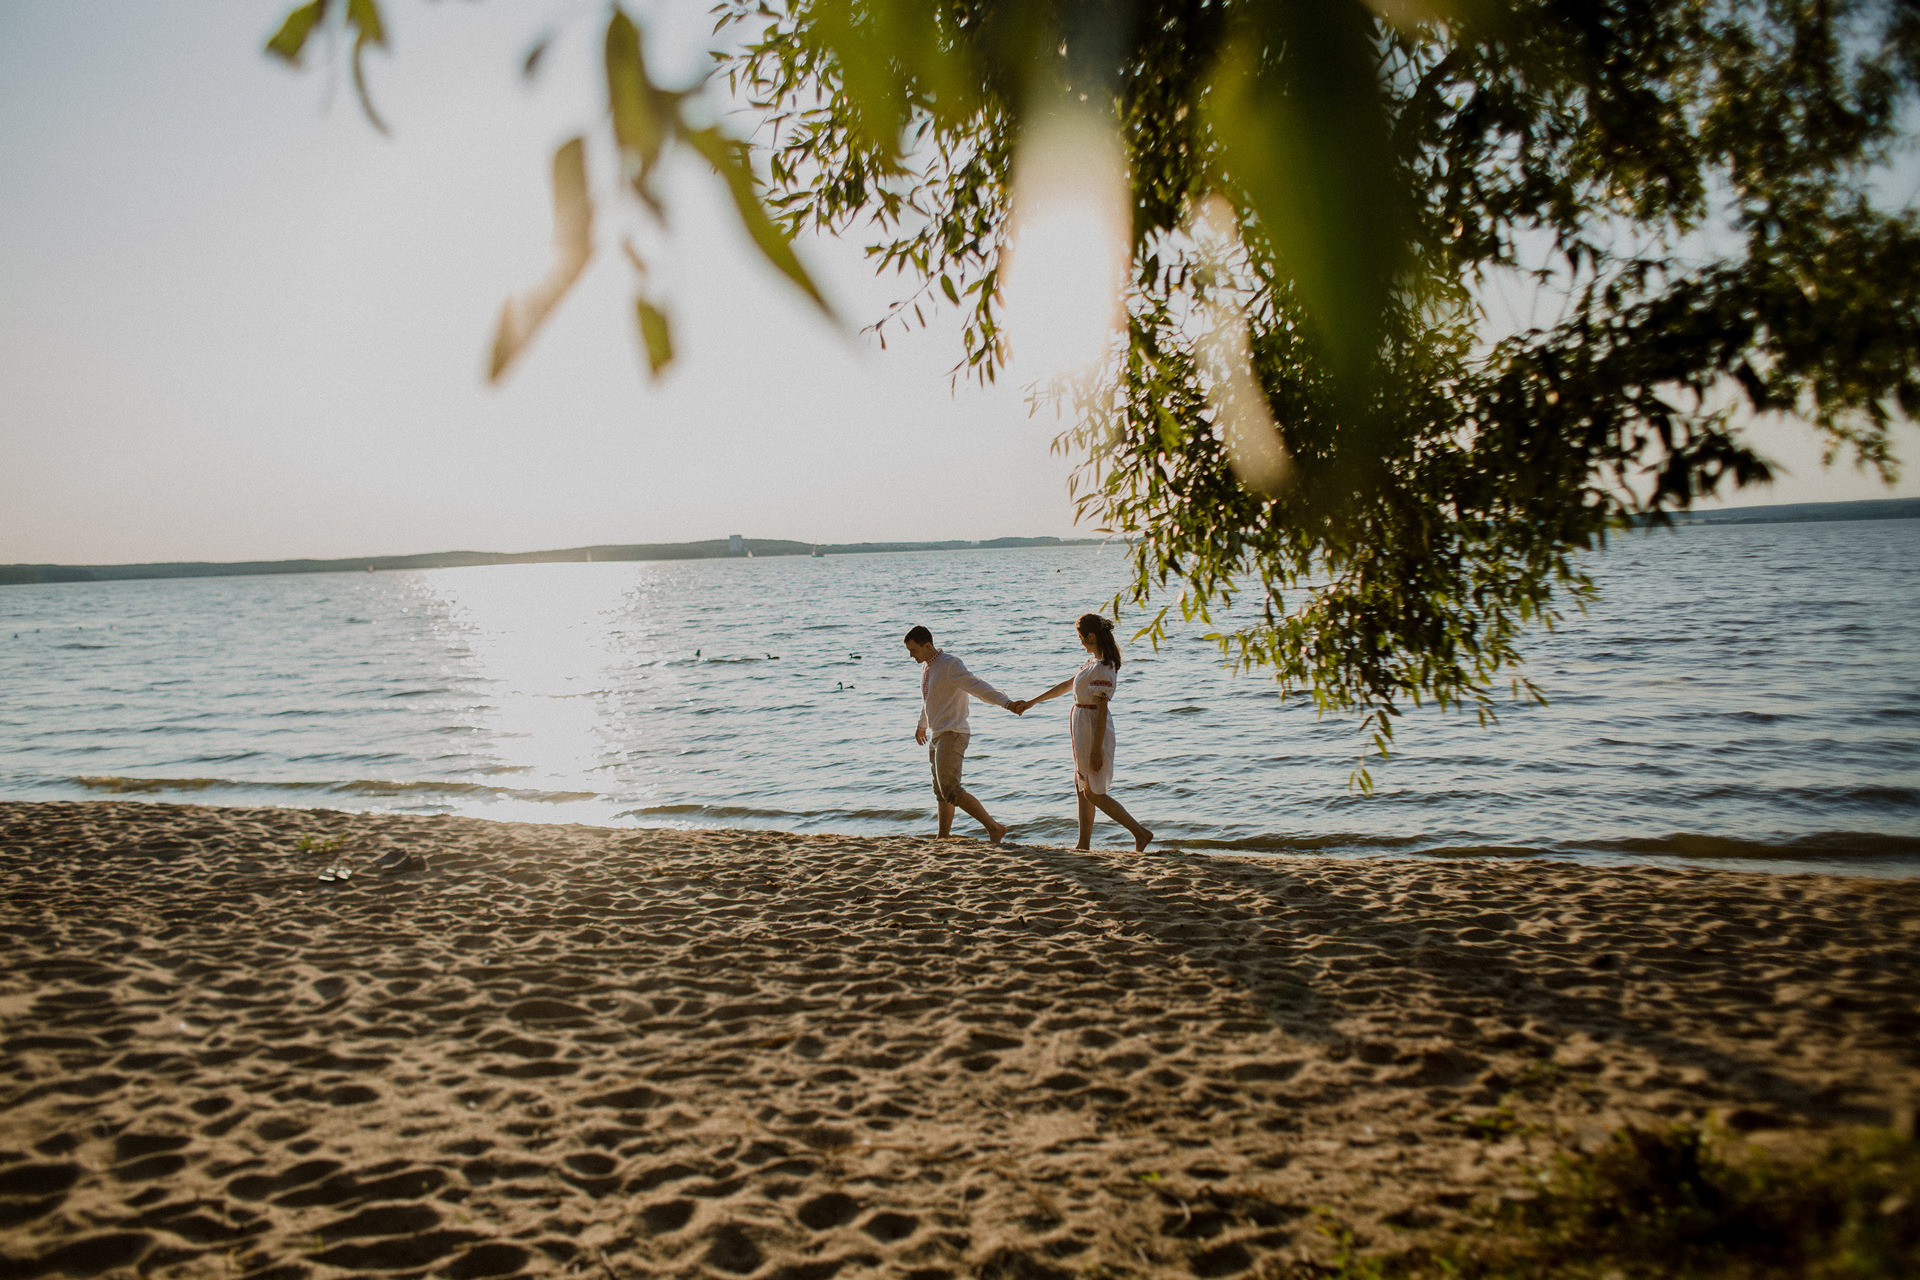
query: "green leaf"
522, 316
724, 154
291, 39
1296, 106
639, 125
893, 55
364, 17
946, 284
655, 334
530, 65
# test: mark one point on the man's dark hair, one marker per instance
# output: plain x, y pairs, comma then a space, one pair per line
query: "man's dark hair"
919, 635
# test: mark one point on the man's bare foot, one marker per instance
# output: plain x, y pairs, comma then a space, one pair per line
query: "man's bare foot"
995, 833
1142, 840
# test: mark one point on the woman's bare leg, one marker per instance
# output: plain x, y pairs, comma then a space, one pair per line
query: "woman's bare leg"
1113, 809
1086, 819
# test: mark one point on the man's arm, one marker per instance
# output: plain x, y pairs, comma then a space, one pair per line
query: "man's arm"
979, 688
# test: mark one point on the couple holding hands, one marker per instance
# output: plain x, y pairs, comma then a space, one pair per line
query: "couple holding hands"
945, 686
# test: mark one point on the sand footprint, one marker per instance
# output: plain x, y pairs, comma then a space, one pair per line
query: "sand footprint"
667, 1216
889, 1228
30, 1191
825, 1212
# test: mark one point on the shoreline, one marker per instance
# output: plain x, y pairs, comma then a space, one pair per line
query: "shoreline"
1875, 855
675, 1052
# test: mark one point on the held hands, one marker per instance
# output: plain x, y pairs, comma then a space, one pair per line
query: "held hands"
1019, 706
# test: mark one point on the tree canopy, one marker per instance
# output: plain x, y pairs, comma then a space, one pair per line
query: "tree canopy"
1307, 424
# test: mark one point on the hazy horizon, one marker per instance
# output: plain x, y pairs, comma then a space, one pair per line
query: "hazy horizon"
236, 323
534, 551
1076, 537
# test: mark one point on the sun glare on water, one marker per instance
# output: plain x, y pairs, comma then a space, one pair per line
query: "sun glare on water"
547, 647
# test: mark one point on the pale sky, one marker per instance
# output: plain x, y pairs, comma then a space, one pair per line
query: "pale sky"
238, 323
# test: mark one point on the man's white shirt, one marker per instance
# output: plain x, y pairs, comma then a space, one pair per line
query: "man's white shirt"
945, 686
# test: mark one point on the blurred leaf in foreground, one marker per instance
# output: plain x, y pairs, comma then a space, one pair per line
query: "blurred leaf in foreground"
643, 117
291, 40
368, 27
729, 160
522, 316
1295, 112
364, 17
656, 335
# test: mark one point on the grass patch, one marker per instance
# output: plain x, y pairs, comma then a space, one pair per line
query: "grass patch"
1539, 1080
1491, 1126
1669, 1203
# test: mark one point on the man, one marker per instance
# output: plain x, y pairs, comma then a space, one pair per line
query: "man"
945, 686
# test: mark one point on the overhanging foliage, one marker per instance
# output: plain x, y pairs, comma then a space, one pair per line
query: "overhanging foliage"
1322, 192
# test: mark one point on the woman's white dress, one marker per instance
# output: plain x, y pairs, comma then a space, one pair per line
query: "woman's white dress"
1094, 682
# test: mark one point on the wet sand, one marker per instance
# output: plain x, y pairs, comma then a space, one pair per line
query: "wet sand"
634, 1053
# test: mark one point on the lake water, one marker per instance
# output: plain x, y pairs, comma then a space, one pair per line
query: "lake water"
1745, 695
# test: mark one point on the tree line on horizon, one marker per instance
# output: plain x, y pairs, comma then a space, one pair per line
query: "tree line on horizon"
708, 549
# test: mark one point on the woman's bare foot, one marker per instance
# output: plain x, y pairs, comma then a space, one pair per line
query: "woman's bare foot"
1141, 839
996, 832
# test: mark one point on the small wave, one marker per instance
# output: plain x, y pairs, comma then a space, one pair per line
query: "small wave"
149, 784
363, 787
1871, 793
1825, 844
1866, 793
77, 645
1336, 842
375, 788
745, 811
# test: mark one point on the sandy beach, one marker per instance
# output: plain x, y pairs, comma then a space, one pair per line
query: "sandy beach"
656, 1053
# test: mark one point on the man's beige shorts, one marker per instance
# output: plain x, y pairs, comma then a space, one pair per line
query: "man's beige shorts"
945, 753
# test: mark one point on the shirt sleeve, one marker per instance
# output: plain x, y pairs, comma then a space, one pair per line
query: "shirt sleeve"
1100, 682
979, 688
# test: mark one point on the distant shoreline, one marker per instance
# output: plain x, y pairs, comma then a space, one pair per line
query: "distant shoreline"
711, 549
1804, 512
723, 548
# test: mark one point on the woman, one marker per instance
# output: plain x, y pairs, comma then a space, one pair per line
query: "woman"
1091, 729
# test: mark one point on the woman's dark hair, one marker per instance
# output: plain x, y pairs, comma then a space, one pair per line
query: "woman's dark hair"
1100, 631
919, 635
